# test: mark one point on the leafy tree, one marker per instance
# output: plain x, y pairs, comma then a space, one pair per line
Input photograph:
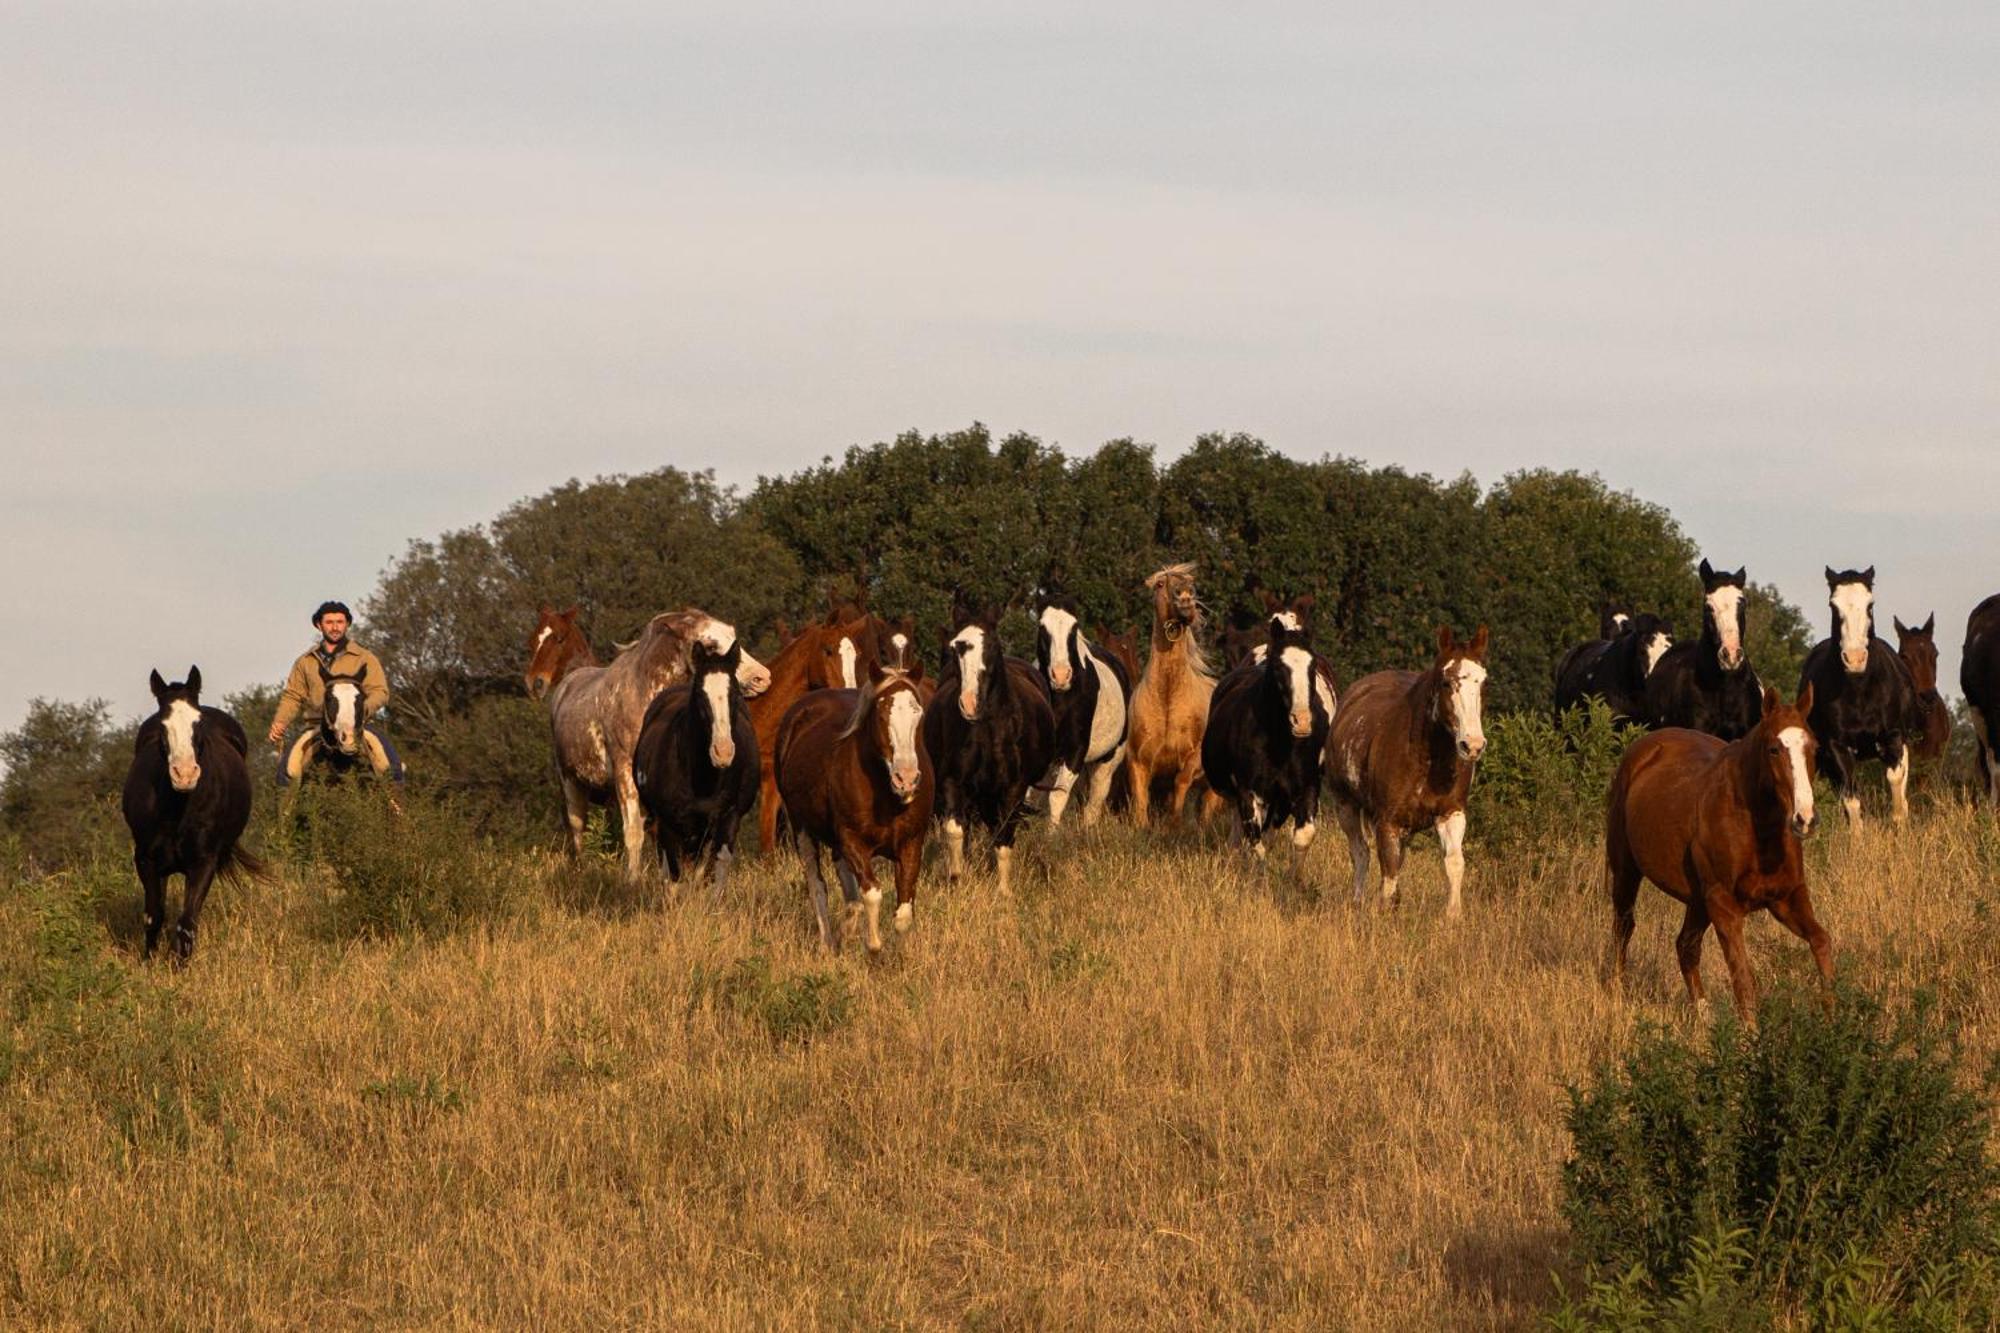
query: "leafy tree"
65, 765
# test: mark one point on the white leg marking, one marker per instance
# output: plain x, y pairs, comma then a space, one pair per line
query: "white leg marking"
1059, 788
1003, 862
1451, 833
1302, 836
1899, 789
1851, 807
906, 916
954, 848
873, 902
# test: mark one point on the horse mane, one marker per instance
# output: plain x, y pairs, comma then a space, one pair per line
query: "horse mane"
864, 707
1423, 702
1191, 651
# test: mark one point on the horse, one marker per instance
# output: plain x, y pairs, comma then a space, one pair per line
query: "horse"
1122, 646
1865, 700
1717, 824
1401, 755
834, 653
1265, 743
1090, 692
1614, 669
695, 765
855, 777
1709, 685
991, 733
555, 648
1242, 635
340, 745
1979, 679
1612, 617
1170, 703
1918, 649
186, 802
595, 711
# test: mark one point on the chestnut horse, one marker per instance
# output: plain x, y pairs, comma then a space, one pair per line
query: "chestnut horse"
1401, 755
595, 712
833, 654
1716, 824
855, 776
1918, 649
1170, 703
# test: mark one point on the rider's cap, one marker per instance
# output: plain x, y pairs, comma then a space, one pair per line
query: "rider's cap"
325, 607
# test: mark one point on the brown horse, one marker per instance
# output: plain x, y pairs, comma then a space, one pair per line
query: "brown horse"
855, 776
1717, 825
1918, 649
1170, 703
832, 654
1124, 647
1401, 755
595, 712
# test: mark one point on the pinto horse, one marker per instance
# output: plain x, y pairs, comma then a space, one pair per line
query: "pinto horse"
1918, 649
1979, 678
340, 745
186, 802
1265, 744
855, 777
1614, 669
1401, 755
1717, 824
1170, 703
595, 712
991, 733
1864, 702
695, 765
834, 654
1090, 692
1709, 685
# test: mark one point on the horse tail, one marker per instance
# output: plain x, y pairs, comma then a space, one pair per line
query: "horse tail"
239, 865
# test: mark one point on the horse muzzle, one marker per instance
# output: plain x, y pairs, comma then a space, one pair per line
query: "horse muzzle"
1855, 661
722, 756
1803, 825
1060, 677
755, 682
184, 777
538, 686
347, 742
1730, 657
905, 782
968, 707
1302, 724
1471, 747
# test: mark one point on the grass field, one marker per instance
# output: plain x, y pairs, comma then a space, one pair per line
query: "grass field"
1150, 1090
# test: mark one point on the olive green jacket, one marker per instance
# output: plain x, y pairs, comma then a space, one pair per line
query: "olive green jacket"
305, 692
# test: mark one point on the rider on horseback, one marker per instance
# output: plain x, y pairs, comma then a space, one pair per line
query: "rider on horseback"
332, 659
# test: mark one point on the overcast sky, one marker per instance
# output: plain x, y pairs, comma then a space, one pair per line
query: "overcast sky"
284, 286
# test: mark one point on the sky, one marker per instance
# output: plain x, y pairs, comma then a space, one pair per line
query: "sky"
283, 287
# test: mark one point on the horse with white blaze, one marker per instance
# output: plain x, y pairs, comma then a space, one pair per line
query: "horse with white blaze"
1089, 690
696, 764
1265, 744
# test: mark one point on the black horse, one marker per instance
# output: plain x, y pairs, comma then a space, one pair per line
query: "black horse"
1090, 692
1264, 747
187, 800
341, 744
990, 733
695, 764
1615, 668
1979, 677
1709, 685
1864, 697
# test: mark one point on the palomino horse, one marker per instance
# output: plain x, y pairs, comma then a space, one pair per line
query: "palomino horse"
1090, 692
1265, 744
1979, 677
1709, 685
695, 765
991, 733
833, 654
1614, 669
187, 800
1716, 824
1401, 756
1170, 703
855, 777
595, 711
1918, 649
1864, 700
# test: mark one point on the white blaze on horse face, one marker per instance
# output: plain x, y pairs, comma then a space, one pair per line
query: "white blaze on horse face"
901, 643
1618, 622
970, 645
1656, 648
1290, 620
346, 714
1851, 602
1057, 624
543, 636
182, 768
1793, 740
847, 658
1467, 680
721, 739
1723, 605
906, 715
1297, 664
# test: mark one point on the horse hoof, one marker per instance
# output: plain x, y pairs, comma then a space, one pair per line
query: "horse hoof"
906, 917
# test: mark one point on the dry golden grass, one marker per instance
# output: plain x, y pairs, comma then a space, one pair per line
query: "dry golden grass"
1152, 1090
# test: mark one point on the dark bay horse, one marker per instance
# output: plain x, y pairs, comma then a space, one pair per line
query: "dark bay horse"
1401, 755
1979, 678
1614, 669
1091, 694
855, 777
1716, 824
695, 765
1265, 745
1918, 649
991, 733
833, 654
1864, 701
1709, 685
186, 802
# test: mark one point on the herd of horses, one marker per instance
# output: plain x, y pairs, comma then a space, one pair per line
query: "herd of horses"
847, 744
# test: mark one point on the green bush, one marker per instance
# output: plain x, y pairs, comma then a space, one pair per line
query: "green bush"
1822, 1152
795, 1008
1544, 778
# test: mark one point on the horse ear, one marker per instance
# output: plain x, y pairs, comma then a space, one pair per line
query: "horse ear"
1772, 703
570, 614
324, 674
361, 674
1902, 630
1930, 625
1868, 578
1830, 581
1707, 573
1270, 600
194, 680
1479, 641
1805, 702
545, 611
1742, 574
1302, 606
159, 686
1446, 641
876, 671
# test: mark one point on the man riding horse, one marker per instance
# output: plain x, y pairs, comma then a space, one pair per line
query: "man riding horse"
336, 684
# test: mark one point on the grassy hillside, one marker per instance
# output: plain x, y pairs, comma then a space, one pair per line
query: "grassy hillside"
1151, 1089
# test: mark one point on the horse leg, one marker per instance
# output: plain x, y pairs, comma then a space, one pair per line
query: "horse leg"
632, 823
1357, 844
1451, 836
1687, 947
194, 895
1622, 874
154, 885
1250, 817
576, 814
1729, 930
857, 861
954, 847
909, 862
1061, 780
767, 809
1897, 770
1989, 761
816, 885
1097, 788
719, 872
1140, 781
1303, 831
1184, 778
1794, 912
1842, 764
1389, 850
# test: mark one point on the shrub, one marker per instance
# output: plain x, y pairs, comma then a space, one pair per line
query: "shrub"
419, 869
796, 1008
1545, 778
1821, 1150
